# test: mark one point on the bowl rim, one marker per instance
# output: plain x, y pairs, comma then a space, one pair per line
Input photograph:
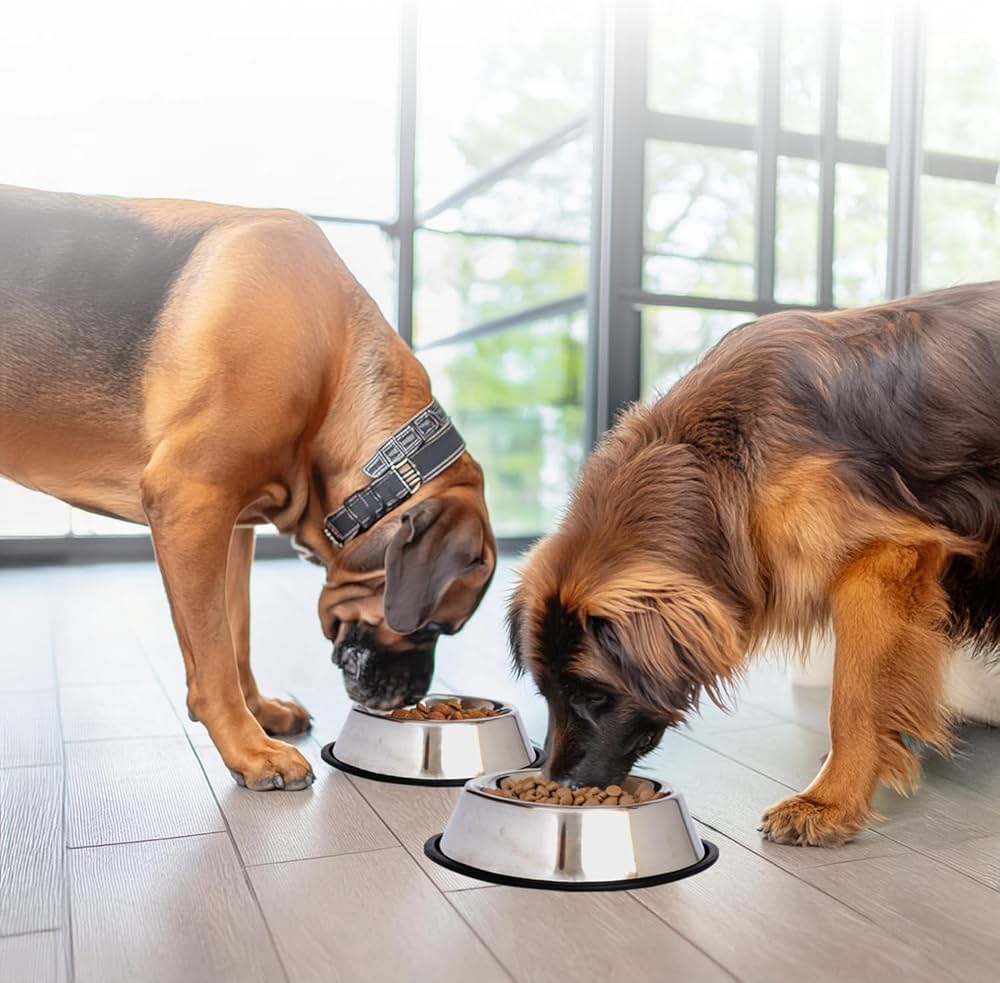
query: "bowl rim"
477, 785
507, 710
329, 756
434, 853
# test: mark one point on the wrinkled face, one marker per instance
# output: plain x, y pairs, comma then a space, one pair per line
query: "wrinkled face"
392, 592
599, 727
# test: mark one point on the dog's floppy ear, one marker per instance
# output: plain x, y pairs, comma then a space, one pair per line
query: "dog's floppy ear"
670, 646
439, 540
515, 622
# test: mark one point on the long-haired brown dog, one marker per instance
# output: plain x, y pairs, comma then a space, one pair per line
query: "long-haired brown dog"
813, 468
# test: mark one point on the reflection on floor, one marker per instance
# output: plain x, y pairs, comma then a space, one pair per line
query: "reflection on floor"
127, 852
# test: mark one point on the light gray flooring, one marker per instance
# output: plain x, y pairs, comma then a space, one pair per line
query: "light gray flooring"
128, 853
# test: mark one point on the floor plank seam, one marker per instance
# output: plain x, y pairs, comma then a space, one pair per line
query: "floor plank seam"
123, 739
127, 740
637, 897
35, 764
742, 764
32, 931
68, 953
157, 675
496, 956
242, 863
357, 788
785, 719
319, 856
864, 916
444, 893
903, 936
933, 858
145, 839
794, 872
33, 691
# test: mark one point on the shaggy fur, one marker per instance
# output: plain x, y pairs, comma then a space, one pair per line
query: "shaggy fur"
813, 468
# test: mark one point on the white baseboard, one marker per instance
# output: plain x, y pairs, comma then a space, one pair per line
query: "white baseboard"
972, 687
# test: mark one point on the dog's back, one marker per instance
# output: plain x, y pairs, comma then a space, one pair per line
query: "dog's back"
904, 395
82, 282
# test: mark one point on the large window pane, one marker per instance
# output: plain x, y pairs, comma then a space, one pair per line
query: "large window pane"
517, 397
699, 235
548, 197
462, 280
960, 232
703, 58
962, 95
861, 233
797, 236
865, 65
241, 101
30, 513
673, 338
367, 251
494, 79
801, 64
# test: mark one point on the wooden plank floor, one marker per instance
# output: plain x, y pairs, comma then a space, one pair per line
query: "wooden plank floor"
127, 852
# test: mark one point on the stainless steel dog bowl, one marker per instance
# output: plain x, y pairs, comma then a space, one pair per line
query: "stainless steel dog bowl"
571, 848
373, 744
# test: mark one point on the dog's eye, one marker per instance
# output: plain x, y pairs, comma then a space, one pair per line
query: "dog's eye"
591, 700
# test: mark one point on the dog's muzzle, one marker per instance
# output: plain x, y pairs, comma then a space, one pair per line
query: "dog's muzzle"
380, 679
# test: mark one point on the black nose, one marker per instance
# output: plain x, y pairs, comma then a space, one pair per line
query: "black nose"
384, 680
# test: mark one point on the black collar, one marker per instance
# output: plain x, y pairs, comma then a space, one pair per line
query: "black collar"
418, 451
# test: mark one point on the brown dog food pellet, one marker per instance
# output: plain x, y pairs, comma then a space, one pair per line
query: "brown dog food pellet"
532, 789
446, 710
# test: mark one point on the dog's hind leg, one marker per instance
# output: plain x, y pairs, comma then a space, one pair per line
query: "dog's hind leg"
889, 610
281, 717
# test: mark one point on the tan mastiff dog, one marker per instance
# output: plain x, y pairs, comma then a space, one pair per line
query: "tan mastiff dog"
203, 369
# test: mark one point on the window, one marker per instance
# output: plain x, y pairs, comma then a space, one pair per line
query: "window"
238, 102
757, 156
959, 193
502, 241
517, 397
673, 338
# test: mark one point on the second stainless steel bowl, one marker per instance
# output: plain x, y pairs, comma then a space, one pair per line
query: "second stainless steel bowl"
374, 744
533, 844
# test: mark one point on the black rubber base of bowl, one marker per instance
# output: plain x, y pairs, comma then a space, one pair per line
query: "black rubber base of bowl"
432, 850
331, 759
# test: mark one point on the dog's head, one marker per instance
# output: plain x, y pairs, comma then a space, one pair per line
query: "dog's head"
417, 574
618, 664
621, 617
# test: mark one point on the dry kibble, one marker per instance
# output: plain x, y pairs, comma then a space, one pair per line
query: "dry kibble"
536, 789
450, 709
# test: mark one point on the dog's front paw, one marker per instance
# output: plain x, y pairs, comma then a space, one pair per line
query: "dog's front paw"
282, 718
273, 765
800, 821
